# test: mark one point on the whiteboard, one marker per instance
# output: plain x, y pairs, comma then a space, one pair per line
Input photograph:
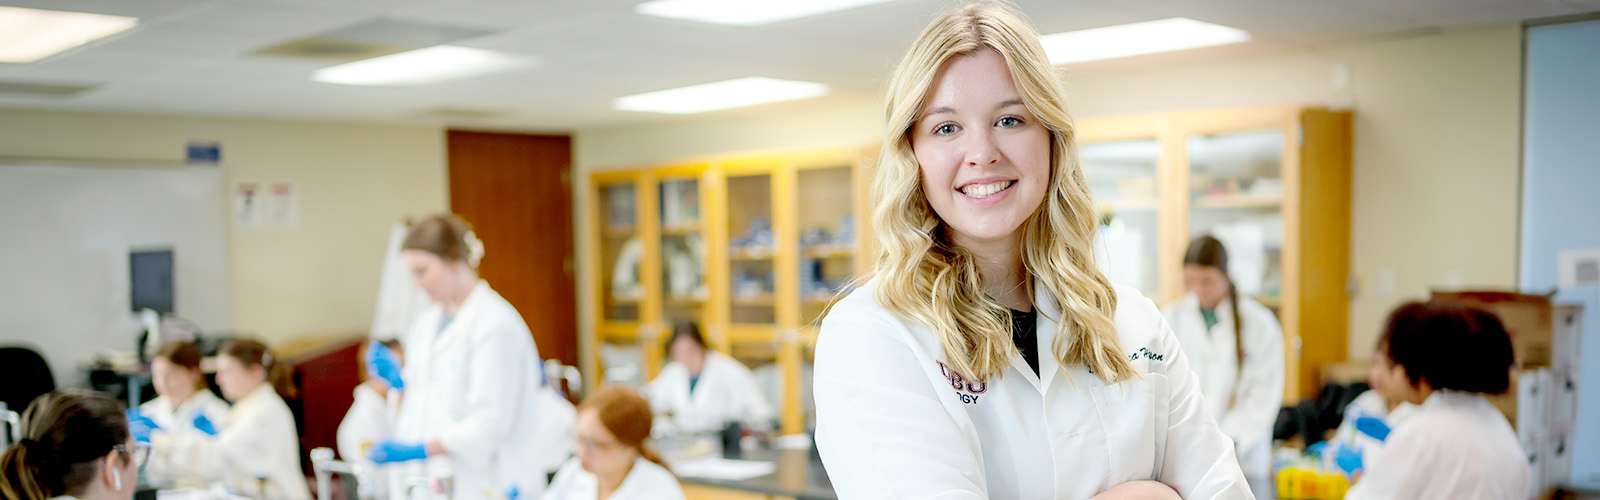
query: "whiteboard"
67, 231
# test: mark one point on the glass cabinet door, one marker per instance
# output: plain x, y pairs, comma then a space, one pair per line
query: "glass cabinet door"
827, 236
621, 253
752, 250
1236, 195
683, 251
1123, 177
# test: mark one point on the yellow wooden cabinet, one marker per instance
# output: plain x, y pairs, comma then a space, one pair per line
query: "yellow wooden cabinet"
1272, 183
751, 247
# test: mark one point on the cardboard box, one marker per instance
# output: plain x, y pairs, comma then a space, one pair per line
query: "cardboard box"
1528, 318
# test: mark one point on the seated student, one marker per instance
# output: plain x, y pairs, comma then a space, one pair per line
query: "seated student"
1455, 445
1369, 418
703, 390
613, 460
258, 453
372, 414
75, 446
182, 400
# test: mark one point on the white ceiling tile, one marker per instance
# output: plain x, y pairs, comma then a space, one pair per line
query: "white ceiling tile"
191, 56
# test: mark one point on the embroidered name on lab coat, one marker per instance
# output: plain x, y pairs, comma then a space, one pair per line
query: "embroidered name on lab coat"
968, 391
1145, 352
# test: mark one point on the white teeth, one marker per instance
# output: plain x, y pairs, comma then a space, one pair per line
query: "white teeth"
984, 190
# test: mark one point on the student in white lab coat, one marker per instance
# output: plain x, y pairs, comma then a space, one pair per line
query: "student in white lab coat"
76, 445
703, 390
987, 357
1370, 417
1455, 445
1235, 346
371, 417
470, 382
259, 451
613, 460
182, 400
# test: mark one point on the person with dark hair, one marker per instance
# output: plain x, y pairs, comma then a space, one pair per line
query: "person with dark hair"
258, 453
1236, 348
75, 445
614, 461
1456, 445
704, 390
183, 405
470, 381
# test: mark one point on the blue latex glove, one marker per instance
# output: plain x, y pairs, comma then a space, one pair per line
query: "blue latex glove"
1373, 427
203, 424
512, 493
383, 363
140, 426
387, 451
1349, 460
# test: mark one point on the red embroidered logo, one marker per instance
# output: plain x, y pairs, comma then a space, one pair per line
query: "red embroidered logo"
968, 391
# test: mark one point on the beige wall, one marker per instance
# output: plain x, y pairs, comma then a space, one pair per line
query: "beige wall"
1436, 141
354, 182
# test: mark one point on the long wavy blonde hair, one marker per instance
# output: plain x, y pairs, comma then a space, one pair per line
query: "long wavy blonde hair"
925, 277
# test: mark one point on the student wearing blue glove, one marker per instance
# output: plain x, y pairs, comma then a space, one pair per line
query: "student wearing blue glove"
1454, 445
373, 411
259, 439
183, 401
470, 378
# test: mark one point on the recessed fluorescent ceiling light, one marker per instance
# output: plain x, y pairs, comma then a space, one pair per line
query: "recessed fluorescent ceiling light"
720, 95
28, 35
1138, 38
421, 67
745, 12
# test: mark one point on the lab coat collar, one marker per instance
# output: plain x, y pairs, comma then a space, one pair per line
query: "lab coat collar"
464, 314
1190, 307
1046, 328
260, 393
1451, 398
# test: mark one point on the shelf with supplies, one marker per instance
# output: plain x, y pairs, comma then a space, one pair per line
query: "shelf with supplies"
760, 234
1254, 178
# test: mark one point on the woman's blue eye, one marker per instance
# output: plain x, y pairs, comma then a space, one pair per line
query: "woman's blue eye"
948, 128
1010, 121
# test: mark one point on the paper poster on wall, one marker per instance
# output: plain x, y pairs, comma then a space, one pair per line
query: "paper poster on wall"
1579, 268
247, 200
284, 209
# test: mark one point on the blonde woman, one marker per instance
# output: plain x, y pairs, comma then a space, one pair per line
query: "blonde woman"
987, 357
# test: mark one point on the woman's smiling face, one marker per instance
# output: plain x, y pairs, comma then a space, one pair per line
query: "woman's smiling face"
985, 158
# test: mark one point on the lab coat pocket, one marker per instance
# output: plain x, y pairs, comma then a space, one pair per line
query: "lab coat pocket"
1134, 415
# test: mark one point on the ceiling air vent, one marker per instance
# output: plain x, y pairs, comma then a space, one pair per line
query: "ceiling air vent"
370, 39
46, 90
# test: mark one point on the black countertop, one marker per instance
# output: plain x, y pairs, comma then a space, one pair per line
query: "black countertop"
798, 475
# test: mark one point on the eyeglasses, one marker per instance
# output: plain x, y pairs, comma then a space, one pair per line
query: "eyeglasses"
592, 445
140, 452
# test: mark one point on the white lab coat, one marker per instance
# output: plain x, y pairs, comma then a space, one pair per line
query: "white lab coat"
1369, 404
400, 300
171, 467
645, 481
558, 421
726, 391
893, 421
260, 440
474, 387
1245, 404
370, 419
1455, 446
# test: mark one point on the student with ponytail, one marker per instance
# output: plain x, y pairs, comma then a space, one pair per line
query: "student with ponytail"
258, 453
75, 445
987, 356
614, 461
1236, 348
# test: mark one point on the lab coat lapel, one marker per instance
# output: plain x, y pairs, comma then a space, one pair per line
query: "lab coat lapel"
462, 322
1046, 328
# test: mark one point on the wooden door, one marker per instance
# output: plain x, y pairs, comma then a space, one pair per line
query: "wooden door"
515, 189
